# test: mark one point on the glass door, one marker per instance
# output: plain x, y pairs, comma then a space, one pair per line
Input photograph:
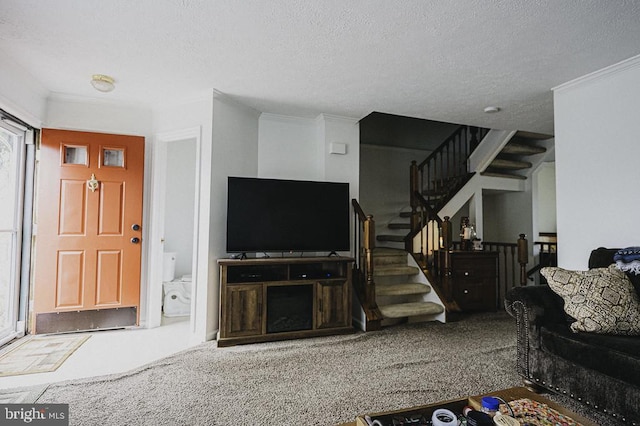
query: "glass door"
12, 149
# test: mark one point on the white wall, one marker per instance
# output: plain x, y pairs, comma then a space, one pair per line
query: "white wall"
507, 215
21, 94
288, 148
545, 196
97, 115
179, 203
597, 172
234, 153
299, 148
337, 131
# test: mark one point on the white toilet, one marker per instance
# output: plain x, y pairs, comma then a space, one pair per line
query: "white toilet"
177, 292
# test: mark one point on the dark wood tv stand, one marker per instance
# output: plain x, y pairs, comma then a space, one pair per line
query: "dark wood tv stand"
283, 298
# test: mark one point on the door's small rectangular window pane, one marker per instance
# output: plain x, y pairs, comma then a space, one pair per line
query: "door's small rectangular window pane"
75, 155
112, 157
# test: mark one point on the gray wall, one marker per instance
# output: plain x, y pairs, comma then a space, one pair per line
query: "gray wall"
384, 181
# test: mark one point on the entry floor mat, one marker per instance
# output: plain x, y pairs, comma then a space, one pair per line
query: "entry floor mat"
40, 354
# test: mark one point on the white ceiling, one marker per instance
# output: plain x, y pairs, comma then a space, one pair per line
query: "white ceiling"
435, 59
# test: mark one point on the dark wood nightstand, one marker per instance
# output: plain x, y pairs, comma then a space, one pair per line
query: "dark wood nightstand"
471, 279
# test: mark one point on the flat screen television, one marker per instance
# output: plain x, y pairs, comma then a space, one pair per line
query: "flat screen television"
274, 215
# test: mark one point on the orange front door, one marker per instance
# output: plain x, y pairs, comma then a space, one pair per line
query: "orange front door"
89, 231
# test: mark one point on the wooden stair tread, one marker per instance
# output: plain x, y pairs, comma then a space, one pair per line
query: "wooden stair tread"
401, 289
401, 310
522, 149
399, 226
392, 238
386, 256
504, 175
531, 135
502, 163
388, 251
394, 270
408, 214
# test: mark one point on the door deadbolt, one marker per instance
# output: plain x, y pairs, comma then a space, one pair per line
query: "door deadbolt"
135, 240
135, 227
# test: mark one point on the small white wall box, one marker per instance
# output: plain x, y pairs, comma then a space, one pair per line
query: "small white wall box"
337, 148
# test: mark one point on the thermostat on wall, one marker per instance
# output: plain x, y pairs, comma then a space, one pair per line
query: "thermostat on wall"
337, 148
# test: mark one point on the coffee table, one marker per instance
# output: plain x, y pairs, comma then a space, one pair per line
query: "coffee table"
457, 405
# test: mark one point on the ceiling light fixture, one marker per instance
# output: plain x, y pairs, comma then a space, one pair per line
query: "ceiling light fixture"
491, 109
102, 83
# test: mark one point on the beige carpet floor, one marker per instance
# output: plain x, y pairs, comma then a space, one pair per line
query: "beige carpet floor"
319, 381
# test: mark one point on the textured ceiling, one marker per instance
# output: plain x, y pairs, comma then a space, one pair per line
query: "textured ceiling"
434, 59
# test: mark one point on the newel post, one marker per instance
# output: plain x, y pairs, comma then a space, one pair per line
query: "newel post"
447, 234
369, 245
523, 258
445, 257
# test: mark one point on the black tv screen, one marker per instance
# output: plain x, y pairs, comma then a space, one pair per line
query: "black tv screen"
274, 215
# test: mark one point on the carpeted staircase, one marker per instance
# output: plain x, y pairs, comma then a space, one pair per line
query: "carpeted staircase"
402, 291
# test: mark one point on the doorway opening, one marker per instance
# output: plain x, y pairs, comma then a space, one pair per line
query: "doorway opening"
174, 229
179, 221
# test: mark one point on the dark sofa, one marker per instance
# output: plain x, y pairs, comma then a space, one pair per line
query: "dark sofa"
601, 371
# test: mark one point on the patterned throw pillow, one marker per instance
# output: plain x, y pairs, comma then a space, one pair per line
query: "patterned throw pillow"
602, 300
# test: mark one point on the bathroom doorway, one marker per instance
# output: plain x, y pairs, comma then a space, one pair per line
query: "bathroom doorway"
180, 187
173, 230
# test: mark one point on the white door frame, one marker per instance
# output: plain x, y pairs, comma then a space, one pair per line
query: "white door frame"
19, 151
156, 225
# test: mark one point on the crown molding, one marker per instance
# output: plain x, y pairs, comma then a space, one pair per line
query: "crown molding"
600, 74
332, 117
232, 100
287, 118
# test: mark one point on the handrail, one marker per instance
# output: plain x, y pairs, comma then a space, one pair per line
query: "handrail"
358, 210
418, 223
475, 138
425, 205
439, 176
364, 238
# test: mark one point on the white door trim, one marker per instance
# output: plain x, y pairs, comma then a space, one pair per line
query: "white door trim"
156, 225
10, 330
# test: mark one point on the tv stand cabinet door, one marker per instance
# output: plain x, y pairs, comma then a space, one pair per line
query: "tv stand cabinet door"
243, 310
332, 304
